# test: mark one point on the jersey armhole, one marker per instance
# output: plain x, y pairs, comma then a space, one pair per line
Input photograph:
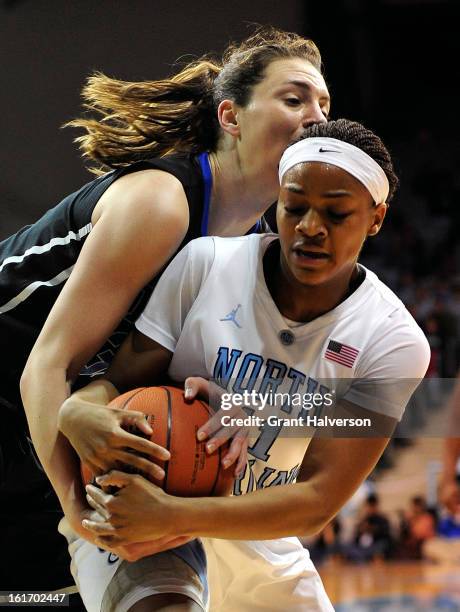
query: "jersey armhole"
213, 266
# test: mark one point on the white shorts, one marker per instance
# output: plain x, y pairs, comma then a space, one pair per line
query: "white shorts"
269, 576
109, 584
244, 576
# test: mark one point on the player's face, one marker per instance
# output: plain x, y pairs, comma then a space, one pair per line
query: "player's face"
324, 216
291, 96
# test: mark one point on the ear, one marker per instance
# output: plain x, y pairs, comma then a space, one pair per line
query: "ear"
227, 114
379, 213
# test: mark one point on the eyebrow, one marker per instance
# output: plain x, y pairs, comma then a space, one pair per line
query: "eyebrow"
324, 95
337, 193
294, 188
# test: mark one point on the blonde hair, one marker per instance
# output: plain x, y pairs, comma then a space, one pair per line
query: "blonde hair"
141, 120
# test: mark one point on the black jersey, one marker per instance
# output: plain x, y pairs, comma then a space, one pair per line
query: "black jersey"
37, 260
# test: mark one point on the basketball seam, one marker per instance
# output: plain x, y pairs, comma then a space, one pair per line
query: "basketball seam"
123, 407
168, 436
216, 479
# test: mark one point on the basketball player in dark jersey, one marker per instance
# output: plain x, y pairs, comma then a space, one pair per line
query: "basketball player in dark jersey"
110, 239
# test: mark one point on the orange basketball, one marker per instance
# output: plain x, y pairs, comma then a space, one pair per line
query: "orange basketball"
191, 471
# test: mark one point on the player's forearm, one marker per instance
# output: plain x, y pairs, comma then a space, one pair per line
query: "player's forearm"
43, 391
296, 509
100, 392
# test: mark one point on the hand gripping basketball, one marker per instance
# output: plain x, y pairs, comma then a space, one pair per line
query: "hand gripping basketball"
191, 471
235, 439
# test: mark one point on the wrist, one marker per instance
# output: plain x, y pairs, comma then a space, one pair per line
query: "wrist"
67, 414
188, 515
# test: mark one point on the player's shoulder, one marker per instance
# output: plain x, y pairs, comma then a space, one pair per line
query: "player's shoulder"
383, 301
201, 249
388, 298
231, 246
391, 319
151, 184
148, 195
234, 255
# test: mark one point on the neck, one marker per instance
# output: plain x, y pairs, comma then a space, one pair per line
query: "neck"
237, 200
300, 302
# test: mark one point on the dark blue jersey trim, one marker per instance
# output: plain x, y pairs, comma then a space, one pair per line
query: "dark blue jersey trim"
203, 158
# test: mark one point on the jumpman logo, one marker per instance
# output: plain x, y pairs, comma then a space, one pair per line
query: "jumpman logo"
231, 316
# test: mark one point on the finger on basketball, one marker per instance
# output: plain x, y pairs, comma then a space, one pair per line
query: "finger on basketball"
100, 529
236, 448
136, 419
147, 447
195, 386
241, 464
144, 466
100, 510
215, 442
98, 495
242, 459
223, 434
211, 427
115, 478
168, 412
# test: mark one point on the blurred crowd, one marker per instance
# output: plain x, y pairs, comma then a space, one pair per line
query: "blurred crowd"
418, 252
415, 533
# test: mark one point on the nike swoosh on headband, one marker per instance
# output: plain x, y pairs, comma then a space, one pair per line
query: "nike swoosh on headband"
353, 160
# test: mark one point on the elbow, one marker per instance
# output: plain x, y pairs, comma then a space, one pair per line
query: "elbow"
27, 390
34, 364
318, 512
38, 373
320, 523
25, 381
32, 373
314, 524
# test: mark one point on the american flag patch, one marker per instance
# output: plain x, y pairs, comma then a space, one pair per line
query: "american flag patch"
341, 353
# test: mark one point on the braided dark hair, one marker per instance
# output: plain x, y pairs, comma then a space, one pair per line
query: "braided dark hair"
356, 134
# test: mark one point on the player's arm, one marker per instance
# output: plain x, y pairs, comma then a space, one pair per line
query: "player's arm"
97, 434
140, 361
143, 220
331, 471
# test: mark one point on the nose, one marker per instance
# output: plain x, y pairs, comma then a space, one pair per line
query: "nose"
313, 114
311, 225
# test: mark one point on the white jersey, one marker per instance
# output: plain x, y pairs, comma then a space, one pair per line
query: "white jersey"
213, 310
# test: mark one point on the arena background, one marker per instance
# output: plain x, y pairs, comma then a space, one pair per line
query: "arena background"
391, 64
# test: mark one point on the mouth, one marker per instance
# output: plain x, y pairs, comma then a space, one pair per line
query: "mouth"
309, 257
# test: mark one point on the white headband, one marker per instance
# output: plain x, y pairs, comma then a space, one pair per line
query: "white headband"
341, 154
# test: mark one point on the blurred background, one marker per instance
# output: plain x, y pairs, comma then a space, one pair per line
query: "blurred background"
392, 64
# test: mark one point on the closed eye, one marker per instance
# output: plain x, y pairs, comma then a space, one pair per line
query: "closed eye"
295, 211
292, 101
337, 217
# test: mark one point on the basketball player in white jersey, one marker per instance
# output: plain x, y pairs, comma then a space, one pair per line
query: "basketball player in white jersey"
291, 313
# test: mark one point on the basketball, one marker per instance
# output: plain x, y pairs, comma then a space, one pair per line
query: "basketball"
191, 471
